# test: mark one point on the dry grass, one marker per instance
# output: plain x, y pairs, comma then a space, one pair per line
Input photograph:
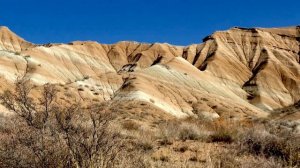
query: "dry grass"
230, 159
250, 144
181, 130
221, 136
44, 134
130, 125
74, 136
261, 142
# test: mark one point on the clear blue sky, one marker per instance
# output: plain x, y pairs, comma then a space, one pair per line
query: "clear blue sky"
179, 22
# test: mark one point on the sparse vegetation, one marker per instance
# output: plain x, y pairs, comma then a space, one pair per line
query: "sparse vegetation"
189, 132
261, 143
45, 134
130, 125
265, 143
221, 136
181, 149
86, 77
145, 145
152, 101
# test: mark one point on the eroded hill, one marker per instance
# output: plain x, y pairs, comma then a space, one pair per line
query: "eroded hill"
238, 73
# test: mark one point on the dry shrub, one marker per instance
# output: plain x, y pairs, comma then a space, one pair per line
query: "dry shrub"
168, 132
251, 143
145, 141
188, 131
221, 136
181, 149
230, 159
223, 130
194, 159
260, 162
181, 130
130, 125
44, 134
223, 160
259, 141
263, 139
145, 145
162, 157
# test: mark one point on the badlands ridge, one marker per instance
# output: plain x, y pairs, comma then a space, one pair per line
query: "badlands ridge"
238, 73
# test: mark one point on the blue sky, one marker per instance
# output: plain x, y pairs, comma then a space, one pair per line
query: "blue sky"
179, 22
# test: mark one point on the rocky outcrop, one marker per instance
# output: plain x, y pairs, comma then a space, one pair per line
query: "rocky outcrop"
9, 41
264, 62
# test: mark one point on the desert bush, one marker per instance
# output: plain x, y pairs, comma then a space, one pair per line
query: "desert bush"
151, 100
259, 141
221, 136
145, 145
229, 159
223, 130
186, 129
145, 139
45, 134
86, 77
162, 158
189, 132
193, 159
181, 149
261, 162
168, 132
225, 159
263, 139
130, 125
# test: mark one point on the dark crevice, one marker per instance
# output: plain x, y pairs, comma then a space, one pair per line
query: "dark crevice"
207, 38
250, 86
210, 55
250, 96
157, 60
196, 58
130, 56
185, 54
205, 62
255, 71
137, 57
252, 30
128, 68
203, 67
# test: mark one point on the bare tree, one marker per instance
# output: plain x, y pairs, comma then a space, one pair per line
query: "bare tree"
87, 137
32, 116
46, 134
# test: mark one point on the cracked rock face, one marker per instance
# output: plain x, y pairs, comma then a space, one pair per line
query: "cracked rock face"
237, 73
